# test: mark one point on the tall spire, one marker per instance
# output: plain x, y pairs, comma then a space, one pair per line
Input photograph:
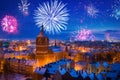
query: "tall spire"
41, 34
42, 28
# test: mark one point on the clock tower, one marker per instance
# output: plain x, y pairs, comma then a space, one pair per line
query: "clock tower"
42, 43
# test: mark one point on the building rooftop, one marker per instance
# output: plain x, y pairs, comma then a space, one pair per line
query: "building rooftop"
73, 73
40, 70
56, 49
56, 66
62, 71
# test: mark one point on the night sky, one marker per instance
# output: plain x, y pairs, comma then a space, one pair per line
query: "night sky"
104, 25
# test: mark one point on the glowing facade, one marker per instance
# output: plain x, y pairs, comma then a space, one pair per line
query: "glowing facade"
44, 54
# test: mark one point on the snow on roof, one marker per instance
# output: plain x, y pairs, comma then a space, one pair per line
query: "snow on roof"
53, 67
97, 64
30, 62
112, 74
92, 76
84, 74
40, 70
99, 76
56, 48
52, 70
116, 67
73, 73
60, 62
104, 73
62, 71
105, 64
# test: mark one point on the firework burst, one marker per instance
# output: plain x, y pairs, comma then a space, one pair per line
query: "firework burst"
116, 14
9, 24
23, 7
53, 15
116, 9
91, 10
82, 35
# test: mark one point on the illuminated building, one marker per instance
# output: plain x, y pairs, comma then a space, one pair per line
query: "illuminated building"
1, 65
46, 54
20, 46
1, 47
21, 66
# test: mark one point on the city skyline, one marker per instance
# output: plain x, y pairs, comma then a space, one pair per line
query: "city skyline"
99, 16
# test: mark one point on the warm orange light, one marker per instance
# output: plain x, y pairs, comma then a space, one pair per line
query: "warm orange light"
28, 42
20, 48
83, 49
78, 67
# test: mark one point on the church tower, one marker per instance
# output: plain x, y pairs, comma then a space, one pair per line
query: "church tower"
44, 54
42, 49
42, 43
